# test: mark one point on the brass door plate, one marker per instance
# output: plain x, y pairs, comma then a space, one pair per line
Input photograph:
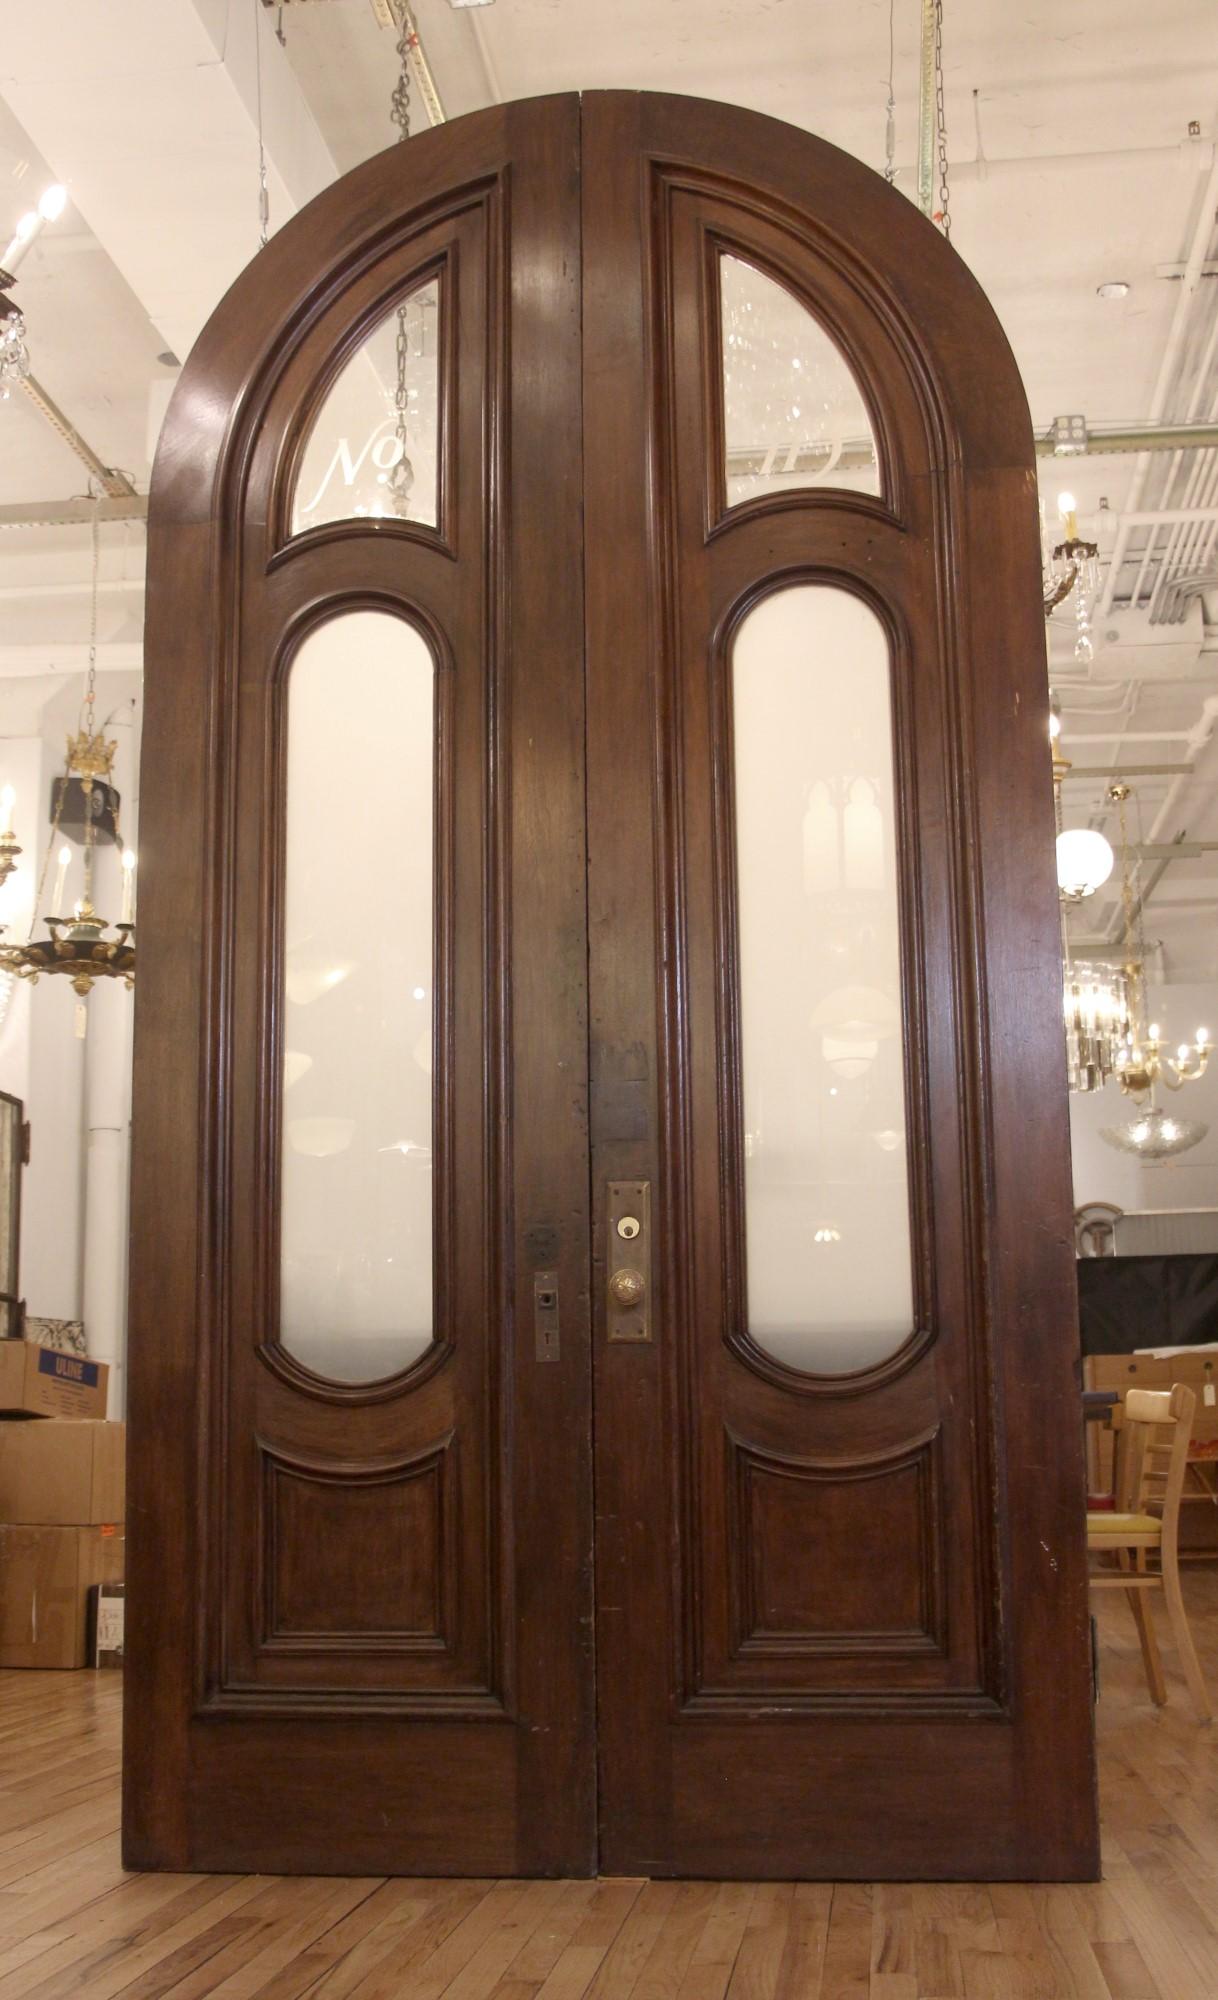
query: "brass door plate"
628, 1261
545, 1315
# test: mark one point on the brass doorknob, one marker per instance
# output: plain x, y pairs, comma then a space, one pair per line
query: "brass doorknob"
627, 1287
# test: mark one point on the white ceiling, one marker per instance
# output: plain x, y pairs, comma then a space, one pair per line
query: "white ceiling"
1071, 164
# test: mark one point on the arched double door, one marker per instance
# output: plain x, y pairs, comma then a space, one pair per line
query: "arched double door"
602, 1343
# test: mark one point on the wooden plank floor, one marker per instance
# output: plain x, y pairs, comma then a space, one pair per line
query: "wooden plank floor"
71, 1921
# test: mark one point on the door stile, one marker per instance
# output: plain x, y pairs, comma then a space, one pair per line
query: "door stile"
625, 643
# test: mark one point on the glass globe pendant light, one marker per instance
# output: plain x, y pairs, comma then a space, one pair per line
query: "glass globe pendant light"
1085, 860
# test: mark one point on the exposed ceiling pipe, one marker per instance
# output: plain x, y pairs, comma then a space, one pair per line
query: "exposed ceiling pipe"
1189, 285
858, 452
1197, 738
1144, 438
68, 513
115, 484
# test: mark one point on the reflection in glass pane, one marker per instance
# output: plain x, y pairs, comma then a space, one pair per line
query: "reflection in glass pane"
356, 1176
373, 446
826, 1173
793, 413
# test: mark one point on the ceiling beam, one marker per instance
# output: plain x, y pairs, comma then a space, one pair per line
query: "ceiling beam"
147, 111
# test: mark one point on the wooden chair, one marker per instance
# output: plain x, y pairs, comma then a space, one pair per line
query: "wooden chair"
1155, 1429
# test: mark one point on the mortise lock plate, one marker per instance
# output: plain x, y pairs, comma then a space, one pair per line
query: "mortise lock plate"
545, 1315
628, 1260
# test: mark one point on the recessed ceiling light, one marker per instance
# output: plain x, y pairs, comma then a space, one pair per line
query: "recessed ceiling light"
1115, 288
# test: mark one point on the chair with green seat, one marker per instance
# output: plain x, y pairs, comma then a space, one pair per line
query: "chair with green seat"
1154, 1435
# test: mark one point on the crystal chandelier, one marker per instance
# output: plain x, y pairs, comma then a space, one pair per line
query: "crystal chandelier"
1072, 565
1096, 1001
1155, 1134
79, 947
14, 354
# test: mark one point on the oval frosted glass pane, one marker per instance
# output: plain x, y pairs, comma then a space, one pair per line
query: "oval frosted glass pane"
356, 1173
826, 1169
360, 457
793, 412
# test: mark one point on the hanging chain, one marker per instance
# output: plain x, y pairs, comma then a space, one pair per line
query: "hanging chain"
399, 103
944, 216
87, 713
890, 129
401, 478
1135, 929
264, 197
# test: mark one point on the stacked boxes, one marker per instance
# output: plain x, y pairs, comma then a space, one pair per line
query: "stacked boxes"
62, 1504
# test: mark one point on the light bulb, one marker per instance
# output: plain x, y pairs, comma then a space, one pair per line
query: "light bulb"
1055, 727
64, 856
27, 226
128, 859
1154, 1031
1182, 1052
52, 202
1066, 504
1203, 1035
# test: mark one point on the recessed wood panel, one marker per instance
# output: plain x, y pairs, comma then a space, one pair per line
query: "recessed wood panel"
836, 1555
357, 1554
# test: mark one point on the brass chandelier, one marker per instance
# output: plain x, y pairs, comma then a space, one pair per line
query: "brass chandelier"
82, 947
1143, 1059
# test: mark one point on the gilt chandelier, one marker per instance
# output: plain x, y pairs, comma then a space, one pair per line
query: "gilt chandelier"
82, 947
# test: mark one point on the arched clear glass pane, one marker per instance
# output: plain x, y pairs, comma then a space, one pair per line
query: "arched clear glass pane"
793, 412
373, 448
358, 1005
826, 1160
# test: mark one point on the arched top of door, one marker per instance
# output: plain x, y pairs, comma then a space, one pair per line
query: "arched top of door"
914, 326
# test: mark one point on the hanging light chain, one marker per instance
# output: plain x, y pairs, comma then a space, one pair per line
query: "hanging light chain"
401, 477
399, 103
944, 216
264, 197
890, 128
90, 701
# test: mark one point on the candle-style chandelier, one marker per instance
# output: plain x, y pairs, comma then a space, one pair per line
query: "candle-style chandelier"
82, 947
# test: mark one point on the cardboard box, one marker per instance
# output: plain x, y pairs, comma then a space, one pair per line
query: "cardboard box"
42, 1382
107, 1604
46, 1575
67, 1472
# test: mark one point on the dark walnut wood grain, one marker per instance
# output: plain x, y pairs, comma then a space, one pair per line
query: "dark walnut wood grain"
362, 1634
840, 1624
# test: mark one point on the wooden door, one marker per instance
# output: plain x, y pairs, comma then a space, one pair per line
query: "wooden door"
839, 1618
842, 1611
360, 1544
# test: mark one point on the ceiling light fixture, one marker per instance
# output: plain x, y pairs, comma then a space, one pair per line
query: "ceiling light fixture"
1155, 1134
1112, 288
14, 351
1095, 998
1071, 565
1142, 1061
80, 946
